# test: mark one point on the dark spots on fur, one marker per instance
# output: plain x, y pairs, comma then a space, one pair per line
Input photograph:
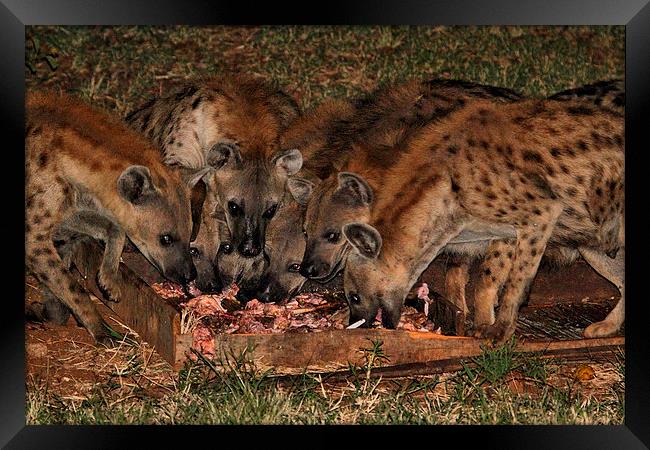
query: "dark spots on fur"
525, 224
52, 262
618, 139
572, 192
44, 277
553, 131
489, 205
580, 110
454, 186
530, 196
490, 195
40, 237
478, 188
582, 145
537, 212
580, 179
502, 265
42, 160
486, 180
510, 165
502, 212
599, 192
533, 252
518, 120
179, 144
446, 137
471, 142
533, 241
510, 254
37, 220
171, 141
487, 272
485, 145
483, 121
555, 152
531, 155
564, 169
514, 207
550, 171
434, 148
452, 149
469, 157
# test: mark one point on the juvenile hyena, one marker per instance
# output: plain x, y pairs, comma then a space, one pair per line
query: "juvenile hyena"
89, 175
369, 143
233, 124
552, 171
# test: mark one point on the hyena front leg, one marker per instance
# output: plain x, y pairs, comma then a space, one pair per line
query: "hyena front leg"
530, 245
456, 278
46, 265
492, 275
614, 271
100, 227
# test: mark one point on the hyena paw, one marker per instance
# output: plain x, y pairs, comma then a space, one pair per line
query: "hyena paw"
600, 329
499, 332
111, 289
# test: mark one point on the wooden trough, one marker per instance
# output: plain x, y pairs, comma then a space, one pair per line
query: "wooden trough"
550, 324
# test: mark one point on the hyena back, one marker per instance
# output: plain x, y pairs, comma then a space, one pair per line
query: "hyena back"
553, 171
88, 175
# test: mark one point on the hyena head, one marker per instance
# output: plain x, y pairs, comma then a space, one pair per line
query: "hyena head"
371, 281
249, 191
336, 202
159, 221
204, 245
285, 246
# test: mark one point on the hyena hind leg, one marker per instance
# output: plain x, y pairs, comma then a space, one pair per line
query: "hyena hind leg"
614, 271
100, 227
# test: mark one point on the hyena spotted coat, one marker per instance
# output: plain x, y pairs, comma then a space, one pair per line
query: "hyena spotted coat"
88, 175
552, 172
605, 94
368, 142
231, 124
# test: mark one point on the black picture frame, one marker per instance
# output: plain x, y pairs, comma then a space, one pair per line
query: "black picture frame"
16, 14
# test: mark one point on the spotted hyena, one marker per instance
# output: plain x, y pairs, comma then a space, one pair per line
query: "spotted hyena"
88, 175
370, 142
231, 124
529, 173
606, 94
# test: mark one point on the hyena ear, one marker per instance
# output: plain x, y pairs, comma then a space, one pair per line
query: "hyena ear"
224, 154
288, 162
192, 176
364, 238
300, 189
351, 184
135, 184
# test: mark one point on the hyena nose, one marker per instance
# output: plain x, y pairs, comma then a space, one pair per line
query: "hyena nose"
189, 276
314, 270
249, 249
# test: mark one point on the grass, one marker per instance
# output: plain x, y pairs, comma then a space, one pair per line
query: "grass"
118, 68
236, 392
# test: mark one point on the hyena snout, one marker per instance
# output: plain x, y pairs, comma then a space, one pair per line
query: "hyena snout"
314, 269
181, 272
250, 247
208, 281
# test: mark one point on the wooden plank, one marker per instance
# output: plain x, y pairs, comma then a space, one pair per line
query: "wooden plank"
154, 319
332, 350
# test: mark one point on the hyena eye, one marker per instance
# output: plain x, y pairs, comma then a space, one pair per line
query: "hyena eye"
295, 267
226, 248
166, 240
354, 299
269, 213
234, 208
333, 237
194, 252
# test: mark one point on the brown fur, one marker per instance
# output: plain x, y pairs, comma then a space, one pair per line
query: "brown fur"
75, 159
505, 169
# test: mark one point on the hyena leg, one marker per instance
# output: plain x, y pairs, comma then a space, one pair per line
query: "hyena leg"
456, 278
100, 227
54, 310
492, 275
46, 265
614, 271
530, 246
